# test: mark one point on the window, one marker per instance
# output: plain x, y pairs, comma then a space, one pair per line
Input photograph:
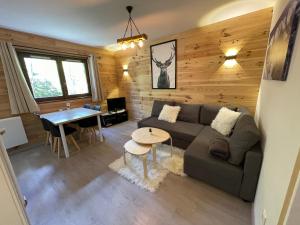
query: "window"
55, 77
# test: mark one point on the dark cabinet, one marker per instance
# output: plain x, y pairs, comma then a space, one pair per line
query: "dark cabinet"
111, 118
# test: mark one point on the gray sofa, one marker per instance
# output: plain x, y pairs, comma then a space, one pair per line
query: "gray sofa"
192, 132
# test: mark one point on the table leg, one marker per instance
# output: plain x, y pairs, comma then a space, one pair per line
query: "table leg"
145, 166
100, 128
154, 153
64, 141
171, 146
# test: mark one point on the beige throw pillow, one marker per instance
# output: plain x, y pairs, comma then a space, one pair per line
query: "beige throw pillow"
225, 121
169, 113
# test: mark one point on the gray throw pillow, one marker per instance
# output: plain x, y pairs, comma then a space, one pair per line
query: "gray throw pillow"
245, 135
158, 105
219, 148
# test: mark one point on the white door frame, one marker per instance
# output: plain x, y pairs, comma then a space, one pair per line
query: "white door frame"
10, 182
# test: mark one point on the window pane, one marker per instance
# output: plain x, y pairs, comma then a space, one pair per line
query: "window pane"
75, 75
44, 78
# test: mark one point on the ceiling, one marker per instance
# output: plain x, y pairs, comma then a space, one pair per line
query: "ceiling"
101, 22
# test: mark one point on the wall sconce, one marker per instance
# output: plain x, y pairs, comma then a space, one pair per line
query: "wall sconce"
230, 58
125, 70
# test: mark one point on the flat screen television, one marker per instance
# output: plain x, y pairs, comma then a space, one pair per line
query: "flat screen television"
114, 104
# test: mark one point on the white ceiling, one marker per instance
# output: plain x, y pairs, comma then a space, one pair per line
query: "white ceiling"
101, 22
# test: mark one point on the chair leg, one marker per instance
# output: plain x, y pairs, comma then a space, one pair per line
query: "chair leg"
90, 135
94, 135
51, 140
47, 137
54, 144
74, 142
80, 133
58, 148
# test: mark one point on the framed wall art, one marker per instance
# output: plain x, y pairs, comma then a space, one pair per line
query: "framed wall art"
164, 65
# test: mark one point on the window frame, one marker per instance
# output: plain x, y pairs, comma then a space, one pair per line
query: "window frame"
58, 59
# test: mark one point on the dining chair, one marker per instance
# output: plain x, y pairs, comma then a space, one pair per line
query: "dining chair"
89, 125
54, 130
46, 127
87, 106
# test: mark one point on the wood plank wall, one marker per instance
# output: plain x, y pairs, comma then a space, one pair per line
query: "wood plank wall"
107, 70
201, 75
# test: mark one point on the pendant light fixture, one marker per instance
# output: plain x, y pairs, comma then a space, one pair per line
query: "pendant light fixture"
132, 40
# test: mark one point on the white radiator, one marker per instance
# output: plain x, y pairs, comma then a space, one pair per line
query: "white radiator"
14, 132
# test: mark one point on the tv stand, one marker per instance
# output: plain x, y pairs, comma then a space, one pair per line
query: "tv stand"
114, 117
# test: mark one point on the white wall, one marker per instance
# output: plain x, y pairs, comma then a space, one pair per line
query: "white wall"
278, 116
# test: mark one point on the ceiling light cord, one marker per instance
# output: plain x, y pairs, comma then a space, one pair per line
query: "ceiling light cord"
130, 23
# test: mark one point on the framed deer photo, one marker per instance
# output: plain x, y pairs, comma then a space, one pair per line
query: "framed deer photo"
164, 65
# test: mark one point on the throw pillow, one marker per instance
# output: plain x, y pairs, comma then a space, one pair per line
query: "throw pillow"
245, 135
219, 148
157, 107
169, 113
225, 121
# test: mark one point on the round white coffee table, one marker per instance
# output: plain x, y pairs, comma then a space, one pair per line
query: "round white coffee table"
151, 136
137, 150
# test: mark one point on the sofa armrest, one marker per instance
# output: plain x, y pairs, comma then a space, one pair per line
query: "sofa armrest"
252, 166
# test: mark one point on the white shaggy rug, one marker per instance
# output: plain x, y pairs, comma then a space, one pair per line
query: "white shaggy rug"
134, 172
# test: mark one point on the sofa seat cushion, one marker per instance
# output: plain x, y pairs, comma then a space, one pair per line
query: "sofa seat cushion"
198, 163
179, 130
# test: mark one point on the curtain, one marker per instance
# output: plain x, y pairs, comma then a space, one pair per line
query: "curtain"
95, 81
20, 96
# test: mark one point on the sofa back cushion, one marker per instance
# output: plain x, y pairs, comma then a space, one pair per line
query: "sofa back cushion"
189, 113
158, 105
209, 112
245, 135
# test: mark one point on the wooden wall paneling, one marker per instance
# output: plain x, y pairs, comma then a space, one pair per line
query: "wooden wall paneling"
201, 75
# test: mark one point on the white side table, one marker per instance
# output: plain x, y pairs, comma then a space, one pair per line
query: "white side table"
138, 150
145, 137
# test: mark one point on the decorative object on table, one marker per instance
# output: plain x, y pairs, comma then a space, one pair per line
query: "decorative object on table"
132, 40
150, 130
68, 105
133, 170
281, 43
164, 65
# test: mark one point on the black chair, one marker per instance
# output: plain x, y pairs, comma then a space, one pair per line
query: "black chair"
89, 124
54, 130
46, 127
87, 106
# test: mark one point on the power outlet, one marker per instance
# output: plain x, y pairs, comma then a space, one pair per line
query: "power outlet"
264, 217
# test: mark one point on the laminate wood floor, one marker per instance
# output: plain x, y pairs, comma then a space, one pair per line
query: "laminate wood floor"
82, 190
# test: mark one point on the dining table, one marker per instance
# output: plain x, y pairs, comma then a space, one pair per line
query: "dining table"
60, 118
